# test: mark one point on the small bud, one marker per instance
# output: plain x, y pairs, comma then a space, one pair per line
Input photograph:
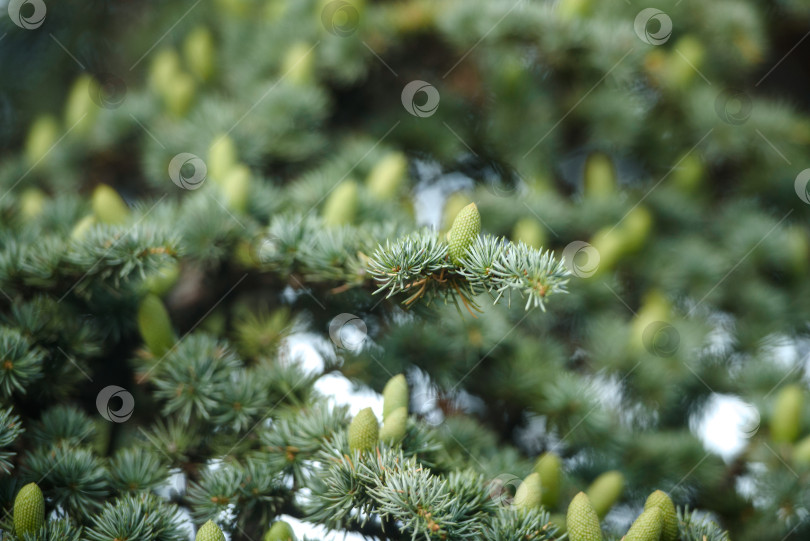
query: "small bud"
647, 527
787, 412
108, 206
395, 395
82, 226
341, 205
279, 531
298, 65
179, 94
165, 66
582, 521
550, 470
669, 517
605, 491
236, 188
529, 231
222, 156
600, 176
529, 494
387, 176
199, 51
155, 325
210, 532
465, 230
42, 136
363, 431
29, 510
394, 426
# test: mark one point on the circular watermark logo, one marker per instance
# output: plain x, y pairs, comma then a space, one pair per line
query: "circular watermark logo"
800, 185
581, 259
348, 331
733, 106
340, 18
187, 171
661, 339
107, 90
749, 420
265, 251
502, 489
123, 413
431, 103
28, 14
653, 26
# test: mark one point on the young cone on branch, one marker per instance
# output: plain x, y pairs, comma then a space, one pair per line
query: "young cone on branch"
529, 494
210, 532
787, 411
29, 510
279, 531
394, 426
395, 395
647, 527
363, 431
605, 491
669, 516
465, 230
155, 325
582, 521
549, 468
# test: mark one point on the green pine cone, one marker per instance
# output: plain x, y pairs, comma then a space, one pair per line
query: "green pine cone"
605, 491
363, 431
395, 395
530, 493
29, 510
801, 452
394, 426
662, 501
582, 521
341, 205
787, 412
108, 206
550, 470
387, 175
465, 230
155, 325
210, 532
279, 531
600, 176
647, 527
199, 51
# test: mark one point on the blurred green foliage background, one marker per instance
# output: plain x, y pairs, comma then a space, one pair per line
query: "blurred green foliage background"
672, 144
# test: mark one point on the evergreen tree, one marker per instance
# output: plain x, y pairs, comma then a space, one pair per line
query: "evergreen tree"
552, 234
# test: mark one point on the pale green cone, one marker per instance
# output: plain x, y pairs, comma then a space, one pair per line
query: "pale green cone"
210, 532
387, 175
364, 431
647, 527
394, 426
29, 510
530, 492
108, 207
341, 205
605, 491
279, 531
787, 411
199, 52
582, 521
395, 395
155, 325
669, 516
466, 228
550, 469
